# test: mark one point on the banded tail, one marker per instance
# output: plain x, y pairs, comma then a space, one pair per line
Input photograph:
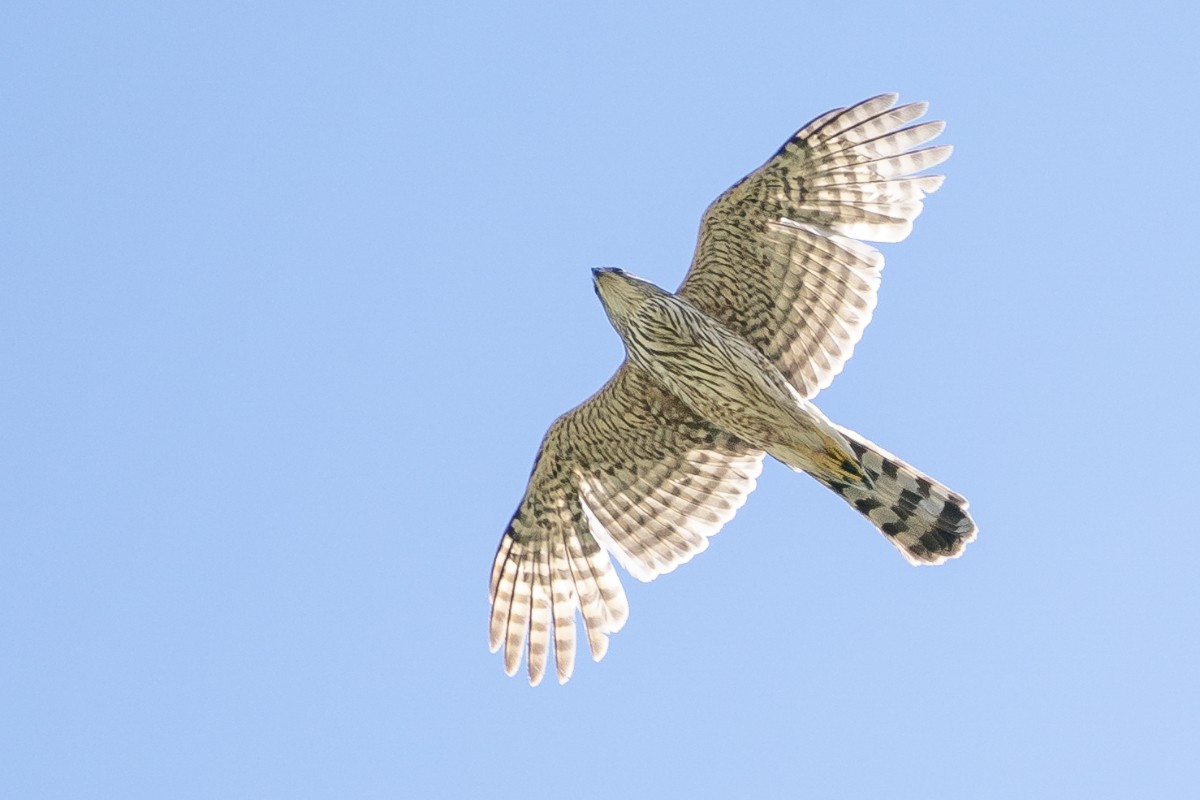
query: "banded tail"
926, 521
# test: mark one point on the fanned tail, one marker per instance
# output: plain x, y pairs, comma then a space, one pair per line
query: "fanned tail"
926, 521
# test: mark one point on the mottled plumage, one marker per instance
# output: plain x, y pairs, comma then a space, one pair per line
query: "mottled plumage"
719, 374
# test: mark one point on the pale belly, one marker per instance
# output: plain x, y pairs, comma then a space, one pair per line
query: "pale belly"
730, 384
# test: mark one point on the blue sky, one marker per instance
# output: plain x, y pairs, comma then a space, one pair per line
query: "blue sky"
289, 294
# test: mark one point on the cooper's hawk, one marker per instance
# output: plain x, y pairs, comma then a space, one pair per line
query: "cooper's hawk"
719, 373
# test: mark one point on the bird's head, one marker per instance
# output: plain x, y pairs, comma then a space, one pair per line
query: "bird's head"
622, 294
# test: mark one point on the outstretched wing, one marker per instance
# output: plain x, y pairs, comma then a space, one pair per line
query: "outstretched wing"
778, 258
632, 472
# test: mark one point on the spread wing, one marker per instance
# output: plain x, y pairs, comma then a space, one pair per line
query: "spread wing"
778, 258
631, 472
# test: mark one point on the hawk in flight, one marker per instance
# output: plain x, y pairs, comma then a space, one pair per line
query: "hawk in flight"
720, 373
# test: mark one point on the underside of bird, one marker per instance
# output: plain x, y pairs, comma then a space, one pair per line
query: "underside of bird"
729, 383
718, 374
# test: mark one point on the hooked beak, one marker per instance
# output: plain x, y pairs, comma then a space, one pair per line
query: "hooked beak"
598, 271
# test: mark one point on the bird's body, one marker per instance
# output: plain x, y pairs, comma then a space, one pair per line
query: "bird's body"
722, 377
719, 374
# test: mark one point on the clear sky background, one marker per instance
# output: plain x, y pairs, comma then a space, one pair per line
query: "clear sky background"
289, 293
